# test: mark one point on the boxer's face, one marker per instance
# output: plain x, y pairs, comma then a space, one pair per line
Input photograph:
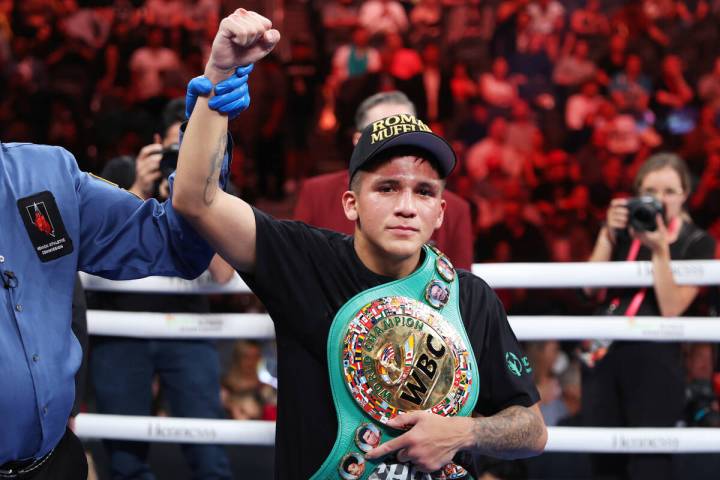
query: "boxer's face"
397, 206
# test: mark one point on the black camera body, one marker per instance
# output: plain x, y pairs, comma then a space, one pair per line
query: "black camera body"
642, 212
169, 160
168, 164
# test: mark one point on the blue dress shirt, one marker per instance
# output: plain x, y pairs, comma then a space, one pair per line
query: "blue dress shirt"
113, 234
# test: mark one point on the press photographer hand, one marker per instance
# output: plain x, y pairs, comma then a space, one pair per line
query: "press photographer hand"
656, 241
617, 218
147, 169
243, 38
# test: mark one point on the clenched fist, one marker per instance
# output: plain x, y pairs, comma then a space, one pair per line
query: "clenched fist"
243, 38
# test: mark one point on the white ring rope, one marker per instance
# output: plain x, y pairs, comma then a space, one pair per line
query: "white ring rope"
256, 432
534, 327
497, 275
516, 275
174, 429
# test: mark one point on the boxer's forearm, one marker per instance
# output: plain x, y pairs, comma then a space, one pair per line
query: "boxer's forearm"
200, 160
516, 432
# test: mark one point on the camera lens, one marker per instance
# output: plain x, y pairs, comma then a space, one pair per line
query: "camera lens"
642, 212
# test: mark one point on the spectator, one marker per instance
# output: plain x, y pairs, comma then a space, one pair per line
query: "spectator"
546, 16
437, 104
630, 90
533, 68
672, 96
580, 111
705, 202
572, 70
339, 19
403, 63
547, 20
148, 64
462, 86
496, 88
245, 395
508, 27
493, 155
303, 83
167, 14
521, 129
581, 107
709, 86
354, 59
383, 16
615, 59
426, 22
590, 22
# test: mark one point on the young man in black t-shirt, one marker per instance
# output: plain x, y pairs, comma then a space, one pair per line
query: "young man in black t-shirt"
304, 275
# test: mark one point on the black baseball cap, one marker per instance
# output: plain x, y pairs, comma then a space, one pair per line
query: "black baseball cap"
402, 130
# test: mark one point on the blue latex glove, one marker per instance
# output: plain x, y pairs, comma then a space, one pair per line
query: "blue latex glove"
231, 95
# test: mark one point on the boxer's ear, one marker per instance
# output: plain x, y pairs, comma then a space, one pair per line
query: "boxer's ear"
349, 202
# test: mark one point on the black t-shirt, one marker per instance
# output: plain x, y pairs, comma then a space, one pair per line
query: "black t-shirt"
304, 275
693, 243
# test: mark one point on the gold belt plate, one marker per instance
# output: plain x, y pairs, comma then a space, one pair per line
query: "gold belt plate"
401, 355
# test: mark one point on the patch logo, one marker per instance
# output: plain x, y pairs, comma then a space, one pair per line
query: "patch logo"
38, 214
45, 227
513, 363
516, 365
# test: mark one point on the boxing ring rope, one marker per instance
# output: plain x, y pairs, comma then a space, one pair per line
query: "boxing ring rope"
257, 432
515, 275
497, 275
260, 326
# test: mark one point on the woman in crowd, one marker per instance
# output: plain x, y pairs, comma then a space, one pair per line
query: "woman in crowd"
641, 384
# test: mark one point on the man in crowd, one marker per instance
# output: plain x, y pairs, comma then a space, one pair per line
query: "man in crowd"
188, 369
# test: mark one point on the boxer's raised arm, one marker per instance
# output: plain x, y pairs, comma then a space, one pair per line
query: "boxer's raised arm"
227, 222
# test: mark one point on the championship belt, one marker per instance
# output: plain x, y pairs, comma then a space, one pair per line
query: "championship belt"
394, 348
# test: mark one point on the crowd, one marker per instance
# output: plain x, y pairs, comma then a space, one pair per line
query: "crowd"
552, 108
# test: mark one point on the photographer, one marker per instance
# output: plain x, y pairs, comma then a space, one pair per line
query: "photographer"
124, 369
641, 384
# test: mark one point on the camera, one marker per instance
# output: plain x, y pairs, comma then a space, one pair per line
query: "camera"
169, 160
642, 212
168, 164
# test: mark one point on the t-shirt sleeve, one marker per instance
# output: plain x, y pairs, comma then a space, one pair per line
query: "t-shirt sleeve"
292, 261
505, 373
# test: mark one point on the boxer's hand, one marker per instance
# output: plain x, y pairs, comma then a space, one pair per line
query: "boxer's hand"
231, 95
431, 441
243, 38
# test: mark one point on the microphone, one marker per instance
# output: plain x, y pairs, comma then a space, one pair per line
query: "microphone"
9, 279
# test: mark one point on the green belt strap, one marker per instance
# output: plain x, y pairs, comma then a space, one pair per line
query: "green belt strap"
393, 348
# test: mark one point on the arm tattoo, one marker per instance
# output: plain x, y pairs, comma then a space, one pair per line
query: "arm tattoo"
211, 182
511, 433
